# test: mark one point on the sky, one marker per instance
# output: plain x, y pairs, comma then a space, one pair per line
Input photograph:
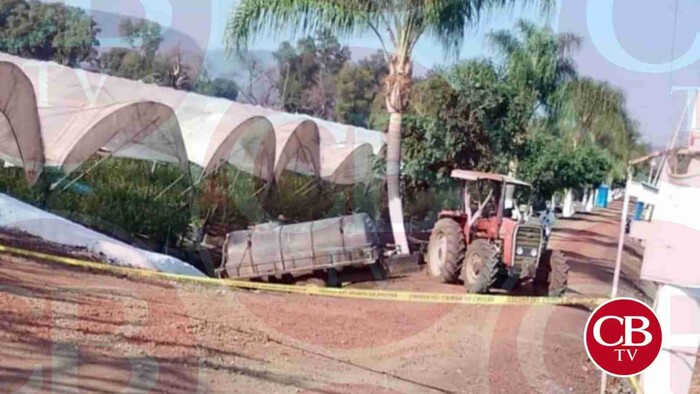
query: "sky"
206, 22
650, 49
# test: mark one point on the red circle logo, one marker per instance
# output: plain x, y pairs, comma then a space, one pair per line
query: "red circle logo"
623, 337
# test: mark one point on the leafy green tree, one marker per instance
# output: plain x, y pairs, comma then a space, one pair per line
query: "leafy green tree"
10, 8
141, 34
484, 115
446, 127
110, 62
358, 86
596, 165
400, 23
42, 31
139, 61
330, 54
308, 72
498, 105
76, 41
125, 63
226, 88
356, 91
377, 65
551, 164
260, 82
478, 115
172, 70
218, 87
297, 71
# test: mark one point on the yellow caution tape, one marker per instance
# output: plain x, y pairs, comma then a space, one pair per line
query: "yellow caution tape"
385, 295
635, 385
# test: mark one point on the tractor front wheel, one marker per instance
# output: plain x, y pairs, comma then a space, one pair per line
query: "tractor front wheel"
552, 275
446, 251
480, 271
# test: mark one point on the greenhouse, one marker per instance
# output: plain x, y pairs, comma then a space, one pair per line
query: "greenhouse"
82, 113
20, 132
200, 166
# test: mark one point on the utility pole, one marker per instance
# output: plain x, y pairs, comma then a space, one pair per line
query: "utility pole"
618, 258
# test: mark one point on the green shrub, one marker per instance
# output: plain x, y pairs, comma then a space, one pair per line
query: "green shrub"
119, 197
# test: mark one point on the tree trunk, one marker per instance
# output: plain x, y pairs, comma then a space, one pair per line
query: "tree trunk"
393, 180
398, 88
590, 200
568, 207
553, 202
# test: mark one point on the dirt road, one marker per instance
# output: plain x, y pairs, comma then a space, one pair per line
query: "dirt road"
69, 330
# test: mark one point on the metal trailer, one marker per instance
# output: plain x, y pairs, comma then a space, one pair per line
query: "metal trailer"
273, 249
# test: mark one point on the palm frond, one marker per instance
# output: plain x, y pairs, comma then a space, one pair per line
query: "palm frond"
569, 42
253, 17
504, 42
448, 21
404, 20
598, 114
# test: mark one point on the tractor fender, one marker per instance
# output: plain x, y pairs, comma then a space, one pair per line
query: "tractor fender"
459, 217
507, 235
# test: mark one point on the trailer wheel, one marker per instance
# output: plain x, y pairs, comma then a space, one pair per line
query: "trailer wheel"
446, 251
552, 275
379, 270
481, 267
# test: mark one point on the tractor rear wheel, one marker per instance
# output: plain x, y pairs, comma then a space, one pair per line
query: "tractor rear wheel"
552, 275
446, 251
480, 269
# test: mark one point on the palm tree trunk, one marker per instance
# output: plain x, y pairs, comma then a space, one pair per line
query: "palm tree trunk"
393, 180
398, 86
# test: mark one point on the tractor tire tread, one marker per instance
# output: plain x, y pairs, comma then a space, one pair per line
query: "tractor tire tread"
552, 276
489, 274
456, 248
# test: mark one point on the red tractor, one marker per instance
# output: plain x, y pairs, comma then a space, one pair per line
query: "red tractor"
494, 239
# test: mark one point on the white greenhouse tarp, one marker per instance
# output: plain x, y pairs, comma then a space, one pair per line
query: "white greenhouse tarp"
17, 215
78, 112
20, 131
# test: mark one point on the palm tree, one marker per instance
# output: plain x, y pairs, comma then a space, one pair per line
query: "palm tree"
401, 23
594, 112
582, 110
535, 58
536, 63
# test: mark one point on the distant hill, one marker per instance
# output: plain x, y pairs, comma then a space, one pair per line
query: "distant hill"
221, 65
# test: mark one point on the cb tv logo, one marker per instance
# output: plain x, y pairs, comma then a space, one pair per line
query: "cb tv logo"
623, 337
